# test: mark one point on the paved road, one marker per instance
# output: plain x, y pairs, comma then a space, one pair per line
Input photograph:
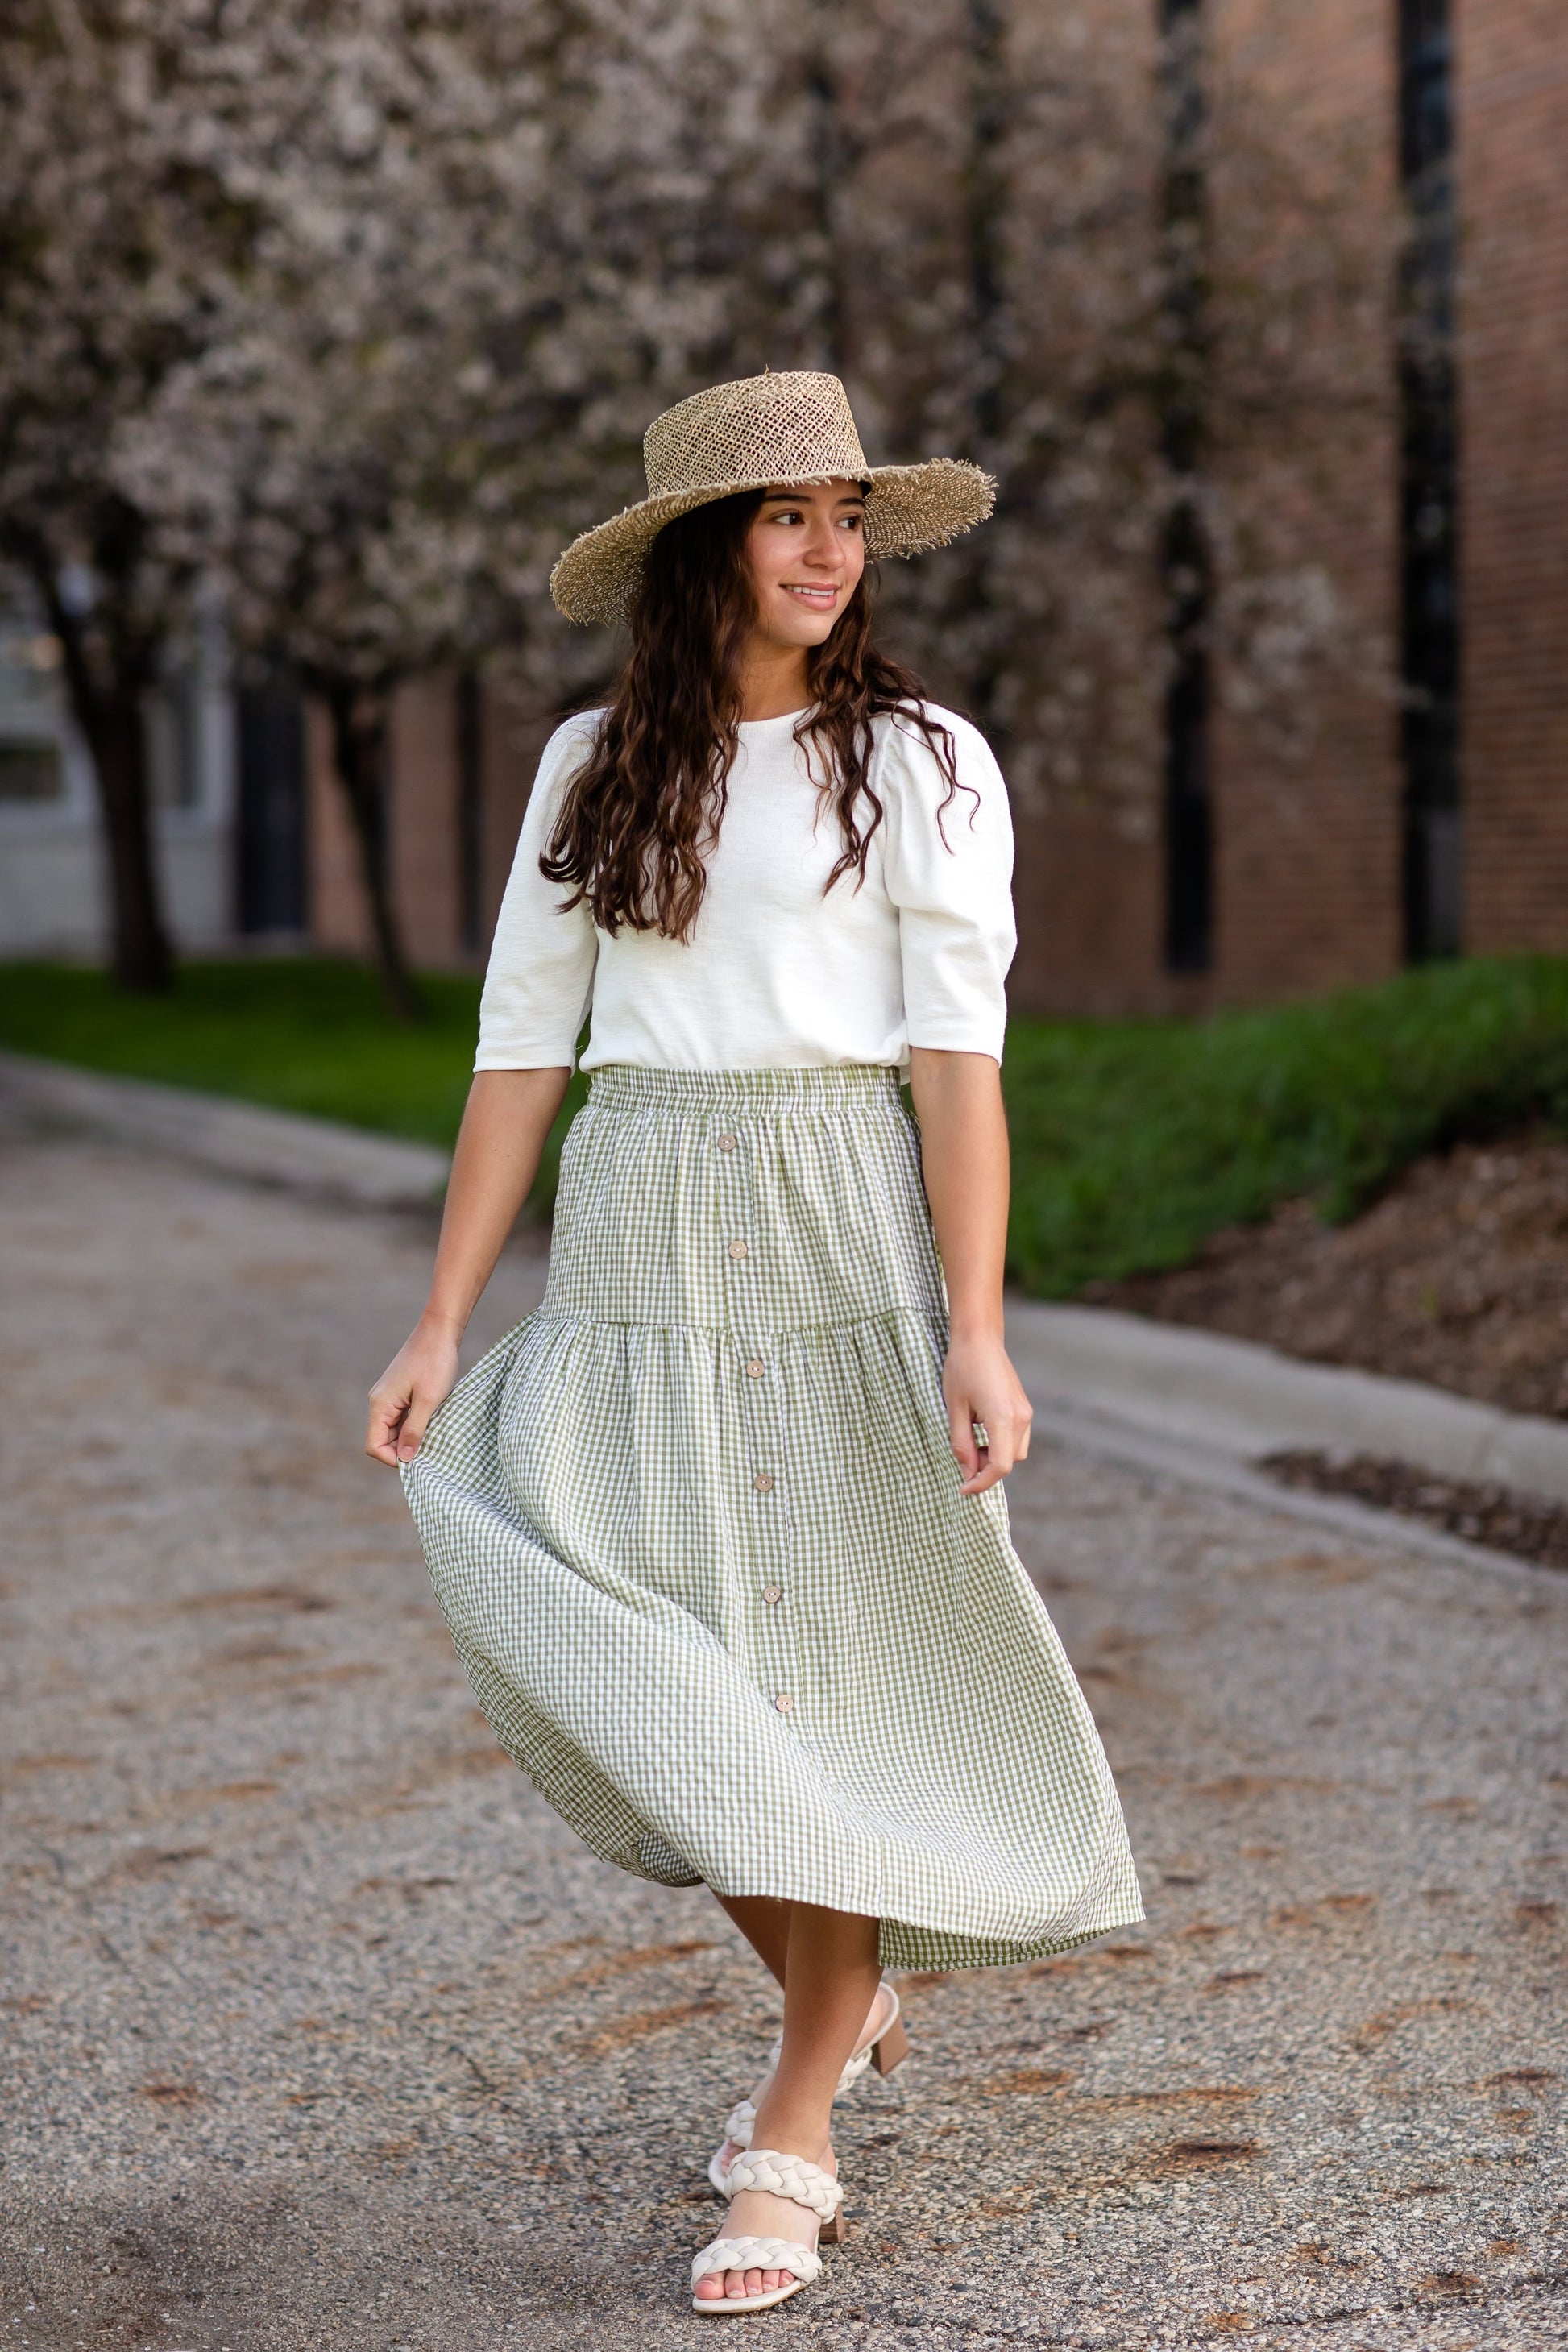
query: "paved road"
322, 2032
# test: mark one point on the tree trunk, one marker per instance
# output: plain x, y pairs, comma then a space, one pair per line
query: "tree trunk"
359, 717
112, 723
143, 959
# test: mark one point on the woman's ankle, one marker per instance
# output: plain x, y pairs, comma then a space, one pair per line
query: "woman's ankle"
793, 2131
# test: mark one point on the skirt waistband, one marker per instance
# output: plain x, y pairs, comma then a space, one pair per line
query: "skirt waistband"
627, 1085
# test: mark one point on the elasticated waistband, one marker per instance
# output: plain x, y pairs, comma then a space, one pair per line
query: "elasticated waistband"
627, 1085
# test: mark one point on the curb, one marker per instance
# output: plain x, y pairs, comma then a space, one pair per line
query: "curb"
1231, 1398
316, 1156
1186, 1464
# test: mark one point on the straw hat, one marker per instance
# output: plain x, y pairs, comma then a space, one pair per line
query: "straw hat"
746, 435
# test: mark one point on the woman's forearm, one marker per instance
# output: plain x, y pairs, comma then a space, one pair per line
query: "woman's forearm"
507, 1117
964, 1157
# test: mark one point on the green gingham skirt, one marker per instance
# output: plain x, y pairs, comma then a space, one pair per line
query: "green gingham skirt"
695, 1526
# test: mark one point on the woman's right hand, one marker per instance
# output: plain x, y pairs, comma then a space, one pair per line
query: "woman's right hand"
423, 1372
507, 1117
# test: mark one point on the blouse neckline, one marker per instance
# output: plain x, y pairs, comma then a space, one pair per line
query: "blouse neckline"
783, 718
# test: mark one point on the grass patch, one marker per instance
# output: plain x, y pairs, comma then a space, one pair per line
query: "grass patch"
301, 1034
1133, 1140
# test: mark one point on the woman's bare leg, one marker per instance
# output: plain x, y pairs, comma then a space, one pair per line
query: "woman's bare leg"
765, 1922
831, 1975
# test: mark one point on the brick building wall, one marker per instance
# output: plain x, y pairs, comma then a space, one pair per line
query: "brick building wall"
1512, 103
1307, 838
336, 900
1089, 905
1308, 849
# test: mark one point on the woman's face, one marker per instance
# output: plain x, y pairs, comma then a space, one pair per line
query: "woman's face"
807, 551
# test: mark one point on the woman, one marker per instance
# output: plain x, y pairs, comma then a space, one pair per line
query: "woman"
719, 1530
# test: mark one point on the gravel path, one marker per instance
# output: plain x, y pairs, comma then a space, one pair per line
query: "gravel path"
321, 2033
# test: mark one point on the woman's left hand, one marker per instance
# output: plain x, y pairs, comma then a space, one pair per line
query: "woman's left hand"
979, 1384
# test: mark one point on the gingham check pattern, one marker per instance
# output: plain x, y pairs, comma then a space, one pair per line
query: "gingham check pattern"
695, 1526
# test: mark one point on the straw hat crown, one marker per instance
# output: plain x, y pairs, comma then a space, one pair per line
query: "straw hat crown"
760, 431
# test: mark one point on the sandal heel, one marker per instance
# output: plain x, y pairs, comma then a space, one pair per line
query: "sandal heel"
892, 2049
832, 2231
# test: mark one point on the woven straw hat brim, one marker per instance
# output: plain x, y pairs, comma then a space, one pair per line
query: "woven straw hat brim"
909, 508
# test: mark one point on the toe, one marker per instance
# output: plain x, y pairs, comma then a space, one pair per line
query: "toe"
708, 2289
752, 2283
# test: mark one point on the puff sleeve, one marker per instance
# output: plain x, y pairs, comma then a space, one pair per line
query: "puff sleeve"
949, 872
539, 983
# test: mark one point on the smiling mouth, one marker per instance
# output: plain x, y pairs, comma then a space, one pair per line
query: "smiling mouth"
823, 596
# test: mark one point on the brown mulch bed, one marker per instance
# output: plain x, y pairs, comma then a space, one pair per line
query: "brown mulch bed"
1458, 1276
1530, 1526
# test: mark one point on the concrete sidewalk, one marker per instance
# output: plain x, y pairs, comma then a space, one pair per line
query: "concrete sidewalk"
1229, 1398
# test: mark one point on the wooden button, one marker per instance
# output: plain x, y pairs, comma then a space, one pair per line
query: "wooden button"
754, 1369
783, 1703
763, 1481
726, 1143
740, 1249
772, 1595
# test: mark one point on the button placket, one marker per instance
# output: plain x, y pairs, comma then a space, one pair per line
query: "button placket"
770, 1571
766, 1565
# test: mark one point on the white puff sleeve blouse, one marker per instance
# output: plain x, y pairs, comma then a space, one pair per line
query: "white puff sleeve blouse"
775, 974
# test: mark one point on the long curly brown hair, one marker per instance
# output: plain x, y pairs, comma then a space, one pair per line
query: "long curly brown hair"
640, 817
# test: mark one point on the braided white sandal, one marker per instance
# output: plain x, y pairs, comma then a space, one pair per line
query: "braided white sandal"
890, 2048
777, 2174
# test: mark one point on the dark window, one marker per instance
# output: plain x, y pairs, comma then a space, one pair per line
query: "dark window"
31, 771
272, 831
1429, 576
1189, 822
1185, 563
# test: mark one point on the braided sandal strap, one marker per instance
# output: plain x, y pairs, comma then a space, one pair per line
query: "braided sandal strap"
757, 2255
742, 2122
854, 2067
777, 2174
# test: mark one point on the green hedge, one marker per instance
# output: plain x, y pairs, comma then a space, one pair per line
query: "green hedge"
1133, 1140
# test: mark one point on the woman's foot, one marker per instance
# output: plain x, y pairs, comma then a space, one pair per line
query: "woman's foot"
755, 2214
883, 2010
